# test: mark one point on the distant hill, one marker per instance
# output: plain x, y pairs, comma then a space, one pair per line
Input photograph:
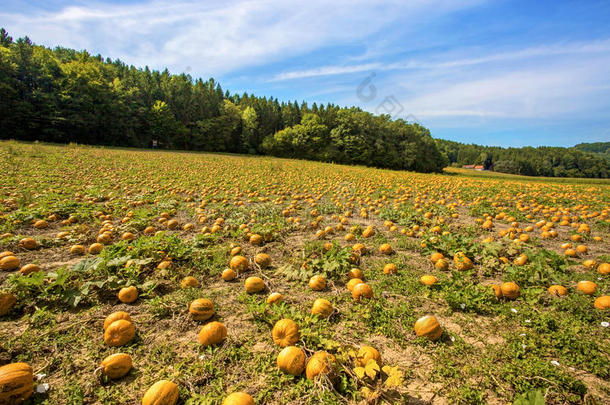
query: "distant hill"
597, 148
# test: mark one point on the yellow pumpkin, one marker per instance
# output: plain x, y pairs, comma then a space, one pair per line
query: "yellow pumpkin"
586, 287
275, 298
16, 383
353, 283
189, 281
602, 302
497, 290
321, 363
29, 268
254, 285
322, 307
228, 275
41, 224
359, 248
239, 264
317, 283
263, 260
603, 268
127, 295
238, 398
212, 334
462, 262
116, 365
256, 239
235, 251
355, 273
367, 353
521, 260
201, 309
291, 360
442, 265
510, 290
362, 290
115, 316
161, 393
386, 249
95, 248
429, 327
29, 243
8, 263
119, 333
77, 250
436, 256
368, 232
7, 300
428, 279
557, 290
390, 268
285, 333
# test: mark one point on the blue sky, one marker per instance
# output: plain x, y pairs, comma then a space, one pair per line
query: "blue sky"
508, 73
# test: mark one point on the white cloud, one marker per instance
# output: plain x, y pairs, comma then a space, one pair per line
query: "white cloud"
216, 37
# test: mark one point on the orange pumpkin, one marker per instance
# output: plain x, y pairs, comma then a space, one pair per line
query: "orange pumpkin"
189, 281
602, 302
510, 290
256, 239
386, 249
355, 273
201, 309
429, 327
119, 333
291, 360
239, 264
8, 263
29, 268
390, 268
321, 363
275, 298
161, 393
228, 275
16, 383
367, 353
116, 365
115, 316
557, 290
238, 398
127, 295
462, 262
317, 283
603, 268
586, 287
353, 283
322, 307
95, 248
285, 333
254, 285
428, 279
7, 300
212, 334
263, 260
362, 290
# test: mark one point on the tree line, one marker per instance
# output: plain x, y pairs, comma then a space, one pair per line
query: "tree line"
63, 95
529, 161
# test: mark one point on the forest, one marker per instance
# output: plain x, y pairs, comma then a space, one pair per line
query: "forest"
62, 95
528, 161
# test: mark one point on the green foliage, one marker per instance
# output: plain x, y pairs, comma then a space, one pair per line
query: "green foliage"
529, 161
62, 95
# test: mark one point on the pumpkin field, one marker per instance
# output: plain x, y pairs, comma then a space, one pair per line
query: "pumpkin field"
152, 277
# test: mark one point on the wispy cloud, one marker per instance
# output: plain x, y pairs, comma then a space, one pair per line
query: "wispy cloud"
215, 37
